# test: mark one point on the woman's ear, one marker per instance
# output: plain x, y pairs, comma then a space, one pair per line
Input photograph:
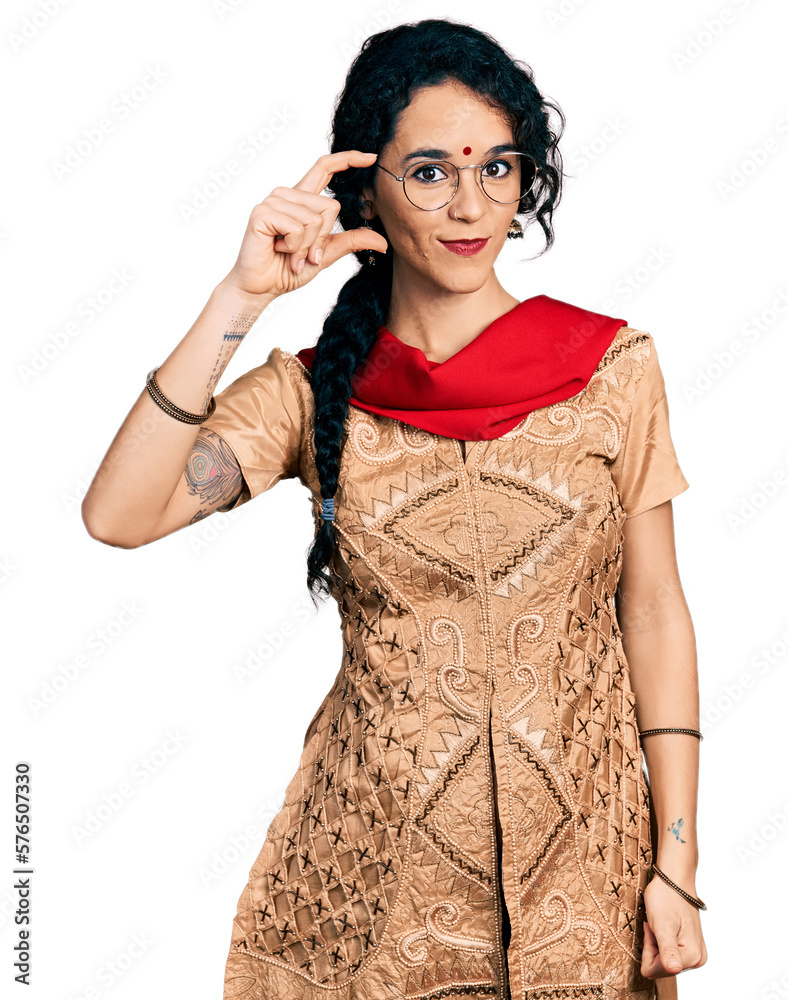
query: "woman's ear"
366, 210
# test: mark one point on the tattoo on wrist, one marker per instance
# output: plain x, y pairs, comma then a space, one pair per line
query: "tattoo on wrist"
675, 829
240, 324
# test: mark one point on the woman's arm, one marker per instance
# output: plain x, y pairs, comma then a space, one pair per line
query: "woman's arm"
160, 473
152, 479
659, 643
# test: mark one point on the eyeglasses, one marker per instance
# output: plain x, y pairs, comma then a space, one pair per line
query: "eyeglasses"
432, 185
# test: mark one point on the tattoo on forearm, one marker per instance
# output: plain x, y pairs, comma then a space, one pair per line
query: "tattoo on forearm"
675, 829
212, 473
240, 324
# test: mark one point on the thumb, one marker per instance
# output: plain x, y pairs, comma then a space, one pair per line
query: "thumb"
340, 244
669, 954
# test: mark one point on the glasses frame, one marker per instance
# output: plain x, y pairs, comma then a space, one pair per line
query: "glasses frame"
468, 166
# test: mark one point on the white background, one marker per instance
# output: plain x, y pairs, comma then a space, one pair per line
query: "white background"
674, 219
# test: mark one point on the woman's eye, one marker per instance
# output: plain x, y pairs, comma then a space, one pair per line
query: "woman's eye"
430, 172
500, 168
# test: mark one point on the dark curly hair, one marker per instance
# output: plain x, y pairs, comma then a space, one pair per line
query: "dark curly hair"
389, 67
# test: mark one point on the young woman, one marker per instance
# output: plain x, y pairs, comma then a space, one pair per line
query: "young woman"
470, 815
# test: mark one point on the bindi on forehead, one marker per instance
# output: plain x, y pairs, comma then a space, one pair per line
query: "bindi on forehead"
467, 150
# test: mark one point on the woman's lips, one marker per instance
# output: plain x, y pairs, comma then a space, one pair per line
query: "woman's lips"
465, 248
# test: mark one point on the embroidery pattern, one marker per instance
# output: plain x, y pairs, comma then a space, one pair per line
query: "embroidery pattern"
335, 853
365, 436
413, 947
463, 586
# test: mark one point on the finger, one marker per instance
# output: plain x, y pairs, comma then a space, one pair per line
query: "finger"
703, 958
313, 224
323, 211
318, 176
649, 958
650, 964
285, 228
340, 244
317, 202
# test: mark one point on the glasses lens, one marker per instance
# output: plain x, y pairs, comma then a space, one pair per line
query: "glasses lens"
505, 178
508, 177
430, 185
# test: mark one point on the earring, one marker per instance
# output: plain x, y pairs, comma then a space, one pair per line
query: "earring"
370, 259
515, 231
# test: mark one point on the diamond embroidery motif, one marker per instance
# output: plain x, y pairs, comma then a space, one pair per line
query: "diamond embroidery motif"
540, 516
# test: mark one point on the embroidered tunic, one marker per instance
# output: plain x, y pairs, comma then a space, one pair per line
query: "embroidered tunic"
469, 816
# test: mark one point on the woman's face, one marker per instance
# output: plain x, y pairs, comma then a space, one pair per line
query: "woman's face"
456, 125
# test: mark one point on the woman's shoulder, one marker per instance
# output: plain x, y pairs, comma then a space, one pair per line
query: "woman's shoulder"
627, 340
297, 371
623, 364
630, 348
300, 379
292, 362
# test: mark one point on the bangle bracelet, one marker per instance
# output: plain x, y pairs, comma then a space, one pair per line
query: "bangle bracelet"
697, 903
169, 407
690, 732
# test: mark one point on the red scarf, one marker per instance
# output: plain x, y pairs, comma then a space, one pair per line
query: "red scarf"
542, 351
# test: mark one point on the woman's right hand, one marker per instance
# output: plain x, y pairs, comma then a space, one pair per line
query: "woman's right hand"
291, 226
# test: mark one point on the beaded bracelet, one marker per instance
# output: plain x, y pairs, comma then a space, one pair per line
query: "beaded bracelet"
698, 903
690, 732
169, 407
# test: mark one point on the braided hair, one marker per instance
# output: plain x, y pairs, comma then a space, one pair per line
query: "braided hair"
389, 67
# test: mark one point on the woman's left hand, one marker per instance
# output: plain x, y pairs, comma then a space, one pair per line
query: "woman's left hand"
673, 939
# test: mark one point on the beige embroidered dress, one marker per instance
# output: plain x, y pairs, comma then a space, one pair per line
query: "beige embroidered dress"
479, 745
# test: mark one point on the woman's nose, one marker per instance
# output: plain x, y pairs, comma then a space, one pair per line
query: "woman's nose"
469, 196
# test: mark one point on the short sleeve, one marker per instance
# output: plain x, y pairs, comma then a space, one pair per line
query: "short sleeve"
646, 470
259, 418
